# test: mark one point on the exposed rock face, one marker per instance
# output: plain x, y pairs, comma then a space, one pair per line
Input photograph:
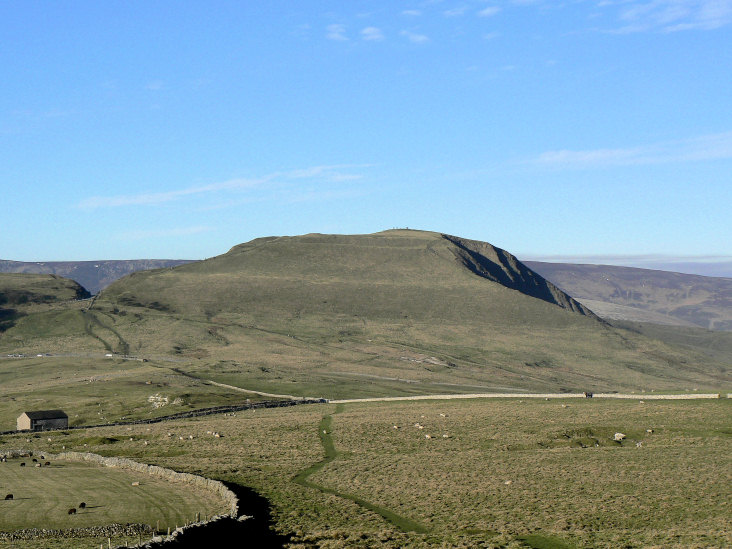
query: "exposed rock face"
500, 266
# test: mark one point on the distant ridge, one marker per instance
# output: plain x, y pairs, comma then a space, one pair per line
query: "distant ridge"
92, 275
645, 295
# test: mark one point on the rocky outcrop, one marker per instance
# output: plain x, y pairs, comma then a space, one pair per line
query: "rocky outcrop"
498, 265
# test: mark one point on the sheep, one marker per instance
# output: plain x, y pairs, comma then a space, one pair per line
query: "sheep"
8, 497
34, 460
618, 437
47, 463
82, 505
22, 463
72, 511
37, 465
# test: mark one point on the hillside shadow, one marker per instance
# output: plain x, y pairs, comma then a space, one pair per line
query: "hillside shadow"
253, 532
260, 528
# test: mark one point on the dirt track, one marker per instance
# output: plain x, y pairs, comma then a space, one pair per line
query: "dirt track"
643, 396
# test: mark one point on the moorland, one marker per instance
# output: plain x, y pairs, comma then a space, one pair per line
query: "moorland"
397, 313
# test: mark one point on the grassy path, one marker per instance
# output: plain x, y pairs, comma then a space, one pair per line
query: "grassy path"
324, 432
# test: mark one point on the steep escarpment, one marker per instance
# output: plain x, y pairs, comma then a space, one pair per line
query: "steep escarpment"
500, 266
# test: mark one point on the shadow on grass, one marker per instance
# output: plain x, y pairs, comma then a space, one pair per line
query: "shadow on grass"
538, 541
256, 531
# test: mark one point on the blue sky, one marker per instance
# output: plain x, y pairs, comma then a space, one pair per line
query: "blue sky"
551, 129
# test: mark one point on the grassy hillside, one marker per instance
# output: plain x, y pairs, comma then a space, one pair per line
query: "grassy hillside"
716, 345
393, 313
92, 275
507, 474
398, 312
24, 293
103, 390
645, 295
42, 497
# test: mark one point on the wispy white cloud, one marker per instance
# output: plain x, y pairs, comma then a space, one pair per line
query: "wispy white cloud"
671, 15
412, 13
489, 11
372, 34
455, 12
142, 199
707, 147
336, 32
324, 174
415, 37
332, 173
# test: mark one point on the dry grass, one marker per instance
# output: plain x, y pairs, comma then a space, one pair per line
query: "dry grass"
673, 491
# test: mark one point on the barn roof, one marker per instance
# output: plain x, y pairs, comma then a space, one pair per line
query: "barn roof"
46, 414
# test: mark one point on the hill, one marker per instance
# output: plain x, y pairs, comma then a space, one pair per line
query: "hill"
645, 295
20, 293
339, 316
92, 275
397, 312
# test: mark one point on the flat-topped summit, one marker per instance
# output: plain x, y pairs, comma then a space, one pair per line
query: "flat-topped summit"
394, 273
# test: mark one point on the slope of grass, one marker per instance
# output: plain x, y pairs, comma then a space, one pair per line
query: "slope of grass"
96, 391
42, 496
545, 472
716, 345
655, 296
395, 313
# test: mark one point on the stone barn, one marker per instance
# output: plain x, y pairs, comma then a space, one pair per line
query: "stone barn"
43, 420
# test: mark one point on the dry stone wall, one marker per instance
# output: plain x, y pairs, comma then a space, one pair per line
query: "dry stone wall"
118, 530
211, 485
193, 413
108, 531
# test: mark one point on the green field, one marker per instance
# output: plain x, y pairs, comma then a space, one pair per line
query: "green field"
43, 496
508, 473
399, 313
96, 391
